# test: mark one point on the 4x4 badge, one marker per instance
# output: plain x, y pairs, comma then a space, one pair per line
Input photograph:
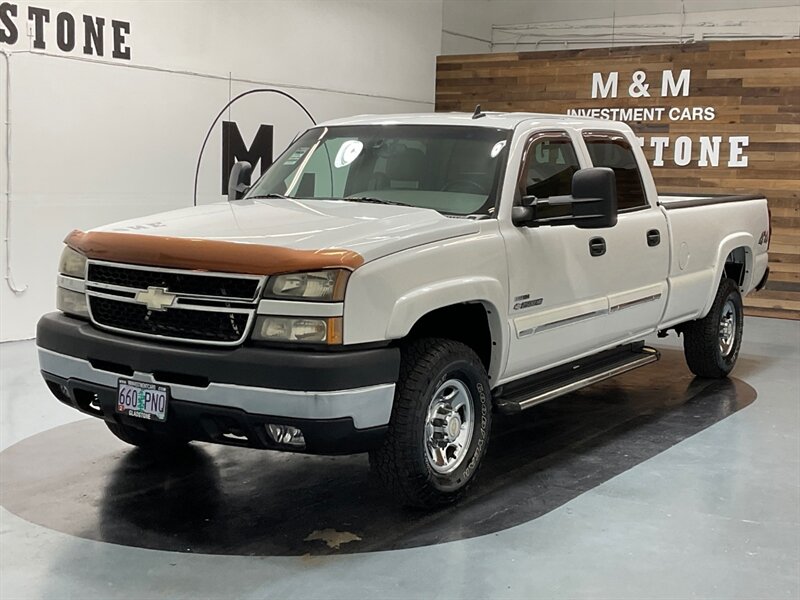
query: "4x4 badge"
156, 298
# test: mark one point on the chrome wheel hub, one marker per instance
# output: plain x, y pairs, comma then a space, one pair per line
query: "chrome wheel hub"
453, 427
727, 328
449, 426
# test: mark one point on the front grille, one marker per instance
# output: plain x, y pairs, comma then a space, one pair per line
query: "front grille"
207, 308
196, 325
176, 282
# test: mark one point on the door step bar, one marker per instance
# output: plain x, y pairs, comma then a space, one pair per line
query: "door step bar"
541, 387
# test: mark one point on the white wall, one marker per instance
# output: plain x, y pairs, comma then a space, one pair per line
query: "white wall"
529, 25
95, 140
466, 27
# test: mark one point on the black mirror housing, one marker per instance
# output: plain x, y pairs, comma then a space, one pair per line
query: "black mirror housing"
592, 205
522, 216
239, 180
595, 194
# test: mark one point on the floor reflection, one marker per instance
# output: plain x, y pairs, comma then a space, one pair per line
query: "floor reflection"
79, 480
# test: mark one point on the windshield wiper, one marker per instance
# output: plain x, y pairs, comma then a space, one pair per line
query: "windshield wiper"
365, 199
268, 196
371, 200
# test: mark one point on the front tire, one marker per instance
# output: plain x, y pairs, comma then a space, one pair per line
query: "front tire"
711, 344
439, 429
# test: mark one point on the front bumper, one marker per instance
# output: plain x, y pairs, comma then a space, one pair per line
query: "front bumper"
341, 401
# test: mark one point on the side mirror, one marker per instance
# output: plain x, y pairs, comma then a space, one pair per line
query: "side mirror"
239, 180
592, 205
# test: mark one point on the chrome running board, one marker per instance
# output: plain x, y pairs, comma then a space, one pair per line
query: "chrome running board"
518, 396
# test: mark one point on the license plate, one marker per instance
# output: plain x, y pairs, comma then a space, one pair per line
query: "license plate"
143, 400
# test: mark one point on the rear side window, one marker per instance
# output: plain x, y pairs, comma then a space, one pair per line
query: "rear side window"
612, 150
550, 163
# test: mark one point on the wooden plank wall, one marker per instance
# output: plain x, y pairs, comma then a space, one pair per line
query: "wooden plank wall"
753, 87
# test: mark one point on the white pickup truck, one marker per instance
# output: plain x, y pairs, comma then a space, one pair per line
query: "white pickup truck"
390, 282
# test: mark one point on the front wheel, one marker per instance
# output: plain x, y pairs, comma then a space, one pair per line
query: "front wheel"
711, 344
440, 423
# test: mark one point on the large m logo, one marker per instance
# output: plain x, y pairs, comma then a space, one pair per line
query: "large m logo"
234, 149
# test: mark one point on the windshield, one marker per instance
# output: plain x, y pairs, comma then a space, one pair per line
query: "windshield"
452, 169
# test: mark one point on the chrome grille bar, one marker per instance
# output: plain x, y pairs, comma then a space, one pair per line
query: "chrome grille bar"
213, 318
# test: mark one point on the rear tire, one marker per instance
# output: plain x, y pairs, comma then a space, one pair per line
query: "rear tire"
440, 423
711, 344
144, 439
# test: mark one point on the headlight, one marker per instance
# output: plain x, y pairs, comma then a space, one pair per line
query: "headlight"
298, 329
72, 263
72, 303
326, 285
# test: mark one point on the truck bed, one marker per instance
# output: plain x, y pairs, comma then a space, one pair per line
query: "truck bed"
701, 239
672, 201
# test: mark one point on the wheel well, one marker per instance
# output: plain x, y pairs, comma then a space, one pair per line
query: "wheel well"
736, 265
465, 323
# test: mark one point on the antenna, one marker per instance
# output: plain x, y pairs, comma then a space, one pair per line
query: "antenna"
478, 114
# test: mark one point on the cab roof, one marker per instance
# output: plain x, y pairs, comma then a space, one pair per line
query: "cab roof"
499, 120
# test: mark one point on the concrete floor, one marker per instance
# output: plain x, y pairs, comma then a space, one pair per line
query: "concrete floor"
716, 515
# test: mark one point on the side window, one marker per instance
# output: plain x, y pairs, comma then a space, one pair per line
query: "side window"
613, 151
550, 163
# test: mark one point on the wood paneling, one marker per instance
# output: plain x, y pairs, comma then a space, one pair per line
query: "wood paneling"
753, 86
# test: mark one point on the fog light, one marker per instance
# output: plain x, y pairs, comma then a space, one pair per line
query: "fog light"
72, 303
286, 435
60, 391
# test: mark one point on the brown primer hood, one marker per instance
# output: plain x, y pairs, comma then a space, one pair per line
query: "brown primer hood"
206, 255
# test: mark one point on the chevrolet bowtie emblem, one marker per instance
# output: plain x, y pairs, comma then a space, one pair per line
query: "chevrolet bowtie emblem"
156, 298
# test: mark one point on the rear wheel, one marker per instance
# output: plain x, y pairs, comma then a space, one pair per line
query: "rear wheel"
711, 344
144, 439
440, 423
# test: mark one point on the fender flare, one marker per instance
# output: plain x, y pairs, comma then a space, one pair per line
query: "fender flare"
416, 303
729, 244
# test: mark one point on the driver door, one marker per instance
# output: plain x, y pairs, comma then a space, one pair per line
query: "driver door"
557, 289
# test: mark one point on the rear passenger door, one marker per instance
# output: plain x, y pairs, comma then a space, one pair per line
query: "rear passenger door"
636, 259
